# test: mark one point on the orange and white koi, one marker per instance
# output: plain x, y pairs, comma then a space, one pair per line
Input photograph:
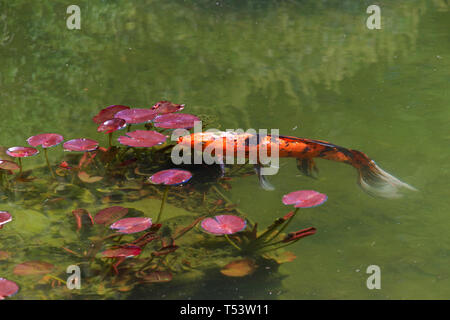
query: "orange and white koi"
372, 179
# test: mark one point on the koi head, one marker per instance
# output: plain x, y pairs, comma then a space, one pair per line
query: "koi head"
199, 139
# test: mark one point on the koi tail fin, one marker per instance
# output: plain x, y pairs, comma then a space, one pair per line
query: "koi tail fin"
263, 182
374, 180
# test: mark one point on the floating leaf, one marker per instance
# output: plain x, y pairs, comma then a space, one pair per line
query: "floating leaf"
136, 115
142, 139
8, 288
304, 198
21, 152
85, 177
163, 107
5, 217
176, 121
109, 215
112, 125
47, 140
223, 224
108, 113
132, 225
80, 145
239, 268
170, 177
124, 252
33, 268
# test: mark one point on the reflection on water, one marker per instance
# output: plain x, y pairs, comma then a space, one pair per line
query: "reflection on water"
309, 68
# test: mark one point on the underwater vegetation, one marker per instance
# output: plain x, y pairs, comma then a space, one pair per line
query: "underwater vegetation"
119, 248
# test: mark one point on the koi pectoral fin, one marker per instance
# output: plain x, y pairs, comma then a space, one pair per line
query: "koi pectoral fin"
263, 182
308, 167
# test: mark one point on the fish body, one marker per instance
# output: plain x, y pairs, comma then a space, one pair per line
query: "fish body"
371, 177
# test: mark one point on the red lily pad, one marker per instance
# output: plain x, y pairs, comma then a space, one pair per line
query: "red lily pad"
136, 115
304, 198
108, 113
21, 152
157, 277
5, 217
163, 107
142, 139
239, 268
8, 288
299, 234
175, 121
47, 140
170, 177
124, 252
223, 224
4, 255
33, 268
132, 225
112, 125
81, 145
109, 215
9, 165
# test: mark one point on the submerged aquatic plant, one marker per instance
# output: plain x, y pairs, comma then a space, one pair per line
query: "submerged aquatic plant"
46, 140
21, 152
170, 177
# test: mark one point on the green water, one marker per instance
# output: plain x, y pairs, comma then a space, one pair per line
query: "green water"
308, 68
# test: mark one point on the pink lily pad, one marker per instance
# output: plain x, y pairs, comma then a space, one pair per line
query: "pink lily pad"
142, 138
8, 288
304, 198
33, 268
175, 121
81, 145
5, 217
163, 107
109, 215
108, 113
47, 140
124, 252
9, 165
21, 152
170, 177
112, 125
132, 225
136, 115
223, 224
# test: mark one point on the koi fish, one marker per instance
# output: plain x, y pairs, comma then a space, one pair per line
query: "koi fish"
371, 178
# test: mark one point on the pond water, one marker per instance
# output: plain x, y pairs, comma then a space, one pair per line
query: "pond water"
311, 69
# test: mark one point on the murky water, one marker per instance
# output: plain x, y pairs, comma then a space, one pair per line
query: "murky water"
308, 68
